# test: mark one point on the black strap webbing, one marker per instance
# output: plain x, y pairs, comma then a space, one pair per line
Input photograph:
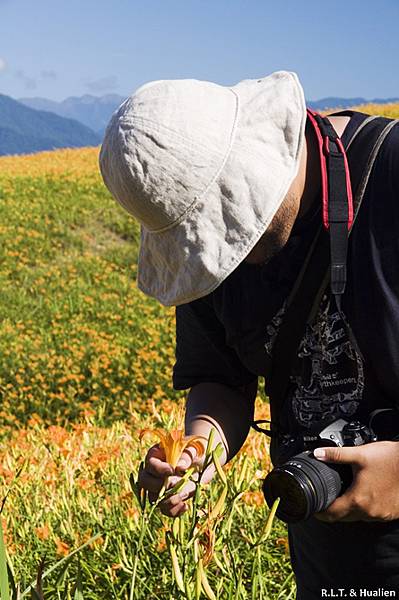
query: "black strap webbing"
315, 277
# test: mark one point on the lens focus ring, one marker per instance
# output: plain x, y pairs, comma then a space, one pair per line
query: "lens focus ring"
304, 486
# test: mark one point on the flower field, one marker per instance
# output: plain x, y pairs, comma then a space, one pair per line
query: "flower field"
86, 365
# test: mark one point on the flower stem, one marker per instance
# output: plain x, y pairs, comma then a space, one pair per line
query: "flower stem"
145, 519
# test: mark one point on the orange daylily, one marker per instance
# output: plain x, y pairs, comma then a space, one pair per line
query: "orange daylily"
62, 548
174, 442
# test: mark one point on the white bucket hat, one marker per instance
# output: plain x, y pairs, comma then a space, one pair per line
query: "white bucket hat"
204, 168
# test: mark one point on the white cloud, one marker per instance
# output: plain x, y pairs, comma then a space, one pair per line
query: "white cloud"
3, 64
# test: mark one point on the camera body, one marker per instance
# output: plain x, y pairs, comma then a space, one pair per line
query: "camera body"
306, 485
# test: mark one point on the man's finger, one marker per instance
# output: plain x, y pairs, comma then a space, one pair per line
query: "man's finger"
186, 459
174, 511
156, 451
342, 509
188, 489
157, 467
347, 455
175, 505
150, 482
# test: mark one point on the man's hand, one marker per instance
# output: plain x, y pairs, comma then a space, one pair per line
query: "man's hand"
374, 492
229, 411
155, 472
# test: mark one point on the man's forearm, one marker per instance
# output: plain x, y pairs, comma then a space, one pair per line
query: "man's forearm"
229, 410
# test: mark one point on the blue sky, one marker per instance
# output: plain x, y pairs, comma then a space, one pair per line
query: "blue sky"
56, 49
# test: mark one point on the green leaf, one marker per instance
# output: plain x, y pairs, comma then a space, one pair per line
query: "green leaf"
218, 451
4, 589
241, 474
61, 574
178, 486
140, 493
78, 592
218, 466
175, 529
269, 523
209, 446
11, 579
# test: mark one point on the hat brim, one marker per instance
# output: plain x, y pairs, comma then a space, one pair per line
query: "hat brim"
192, 259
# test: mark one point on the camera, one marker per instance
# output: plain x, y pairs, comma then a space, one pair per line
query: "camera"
306, 485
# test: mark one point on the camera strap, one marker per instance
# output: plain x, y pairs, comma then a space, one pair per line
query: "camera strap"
342, 170
336, 197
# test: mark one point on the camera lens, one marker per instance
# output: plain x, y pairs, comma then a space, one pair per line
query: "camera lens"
304, 486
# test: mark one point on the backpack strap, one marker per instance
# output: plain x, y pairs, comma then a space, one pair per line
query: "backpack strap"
302, 305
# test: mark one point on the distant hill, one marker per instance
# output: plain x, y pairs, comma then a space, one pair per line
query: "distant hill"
95, 112
92, 111
24, 130
332, 102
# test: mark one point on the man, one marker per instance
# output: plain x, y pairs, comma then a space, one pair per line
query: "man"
226, 183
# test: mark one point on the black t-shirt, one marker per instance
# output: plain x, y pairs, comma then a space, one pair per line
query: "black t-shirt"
227, 337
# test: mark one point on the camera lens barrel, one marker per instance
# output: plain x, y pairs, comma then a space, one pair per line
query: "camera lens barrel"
304, 485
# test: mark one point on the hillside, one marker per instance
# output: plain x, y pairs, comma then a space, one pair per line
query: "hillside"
390, 110
341, 103
24, 130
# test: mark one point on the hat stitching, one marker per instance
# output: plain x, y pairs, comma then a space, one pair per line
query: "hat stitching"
125, 170
214, 178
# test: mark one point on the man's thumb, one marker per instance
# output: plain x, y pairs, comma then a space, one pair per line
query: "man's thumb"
185, 461
337, 454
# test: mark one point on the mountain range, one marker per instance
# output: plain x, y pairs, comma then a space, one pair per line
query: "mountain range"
34, 124
24, 130
90, 110
95, 112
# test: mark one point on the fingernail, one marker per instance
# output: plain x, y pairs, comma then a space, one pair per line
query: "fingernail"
319, 453
172, 480
183, 496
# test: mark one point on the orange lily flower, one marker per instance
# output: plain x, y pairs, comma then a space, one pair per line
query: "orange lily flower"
174, 442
